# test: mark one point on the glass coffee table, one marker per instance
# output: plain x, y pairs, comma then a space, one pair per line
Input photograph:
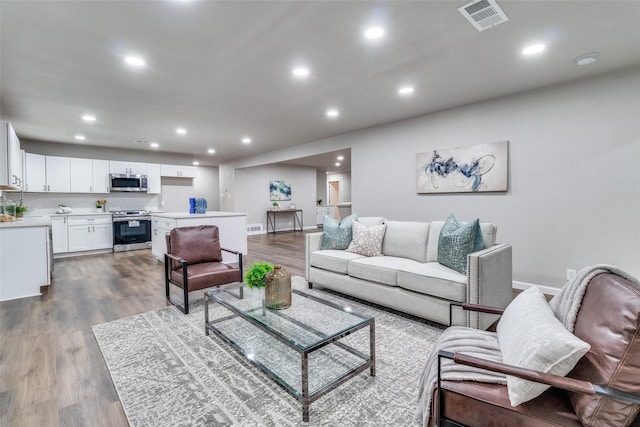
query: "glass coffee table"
303, 348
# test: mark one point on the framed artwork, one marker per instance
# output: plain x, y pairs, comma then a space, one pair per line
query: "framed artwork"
480, 168
292, 206
279, 190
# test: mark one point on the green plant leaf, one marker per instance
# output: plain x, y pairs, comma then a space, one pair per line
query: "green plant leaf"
255, 276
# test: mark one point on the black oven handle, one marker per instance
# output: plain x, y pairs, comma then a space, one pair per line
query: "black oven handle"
131, 218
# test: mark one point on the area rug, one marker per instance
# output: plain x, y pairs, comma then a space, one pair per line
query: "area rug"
167, 372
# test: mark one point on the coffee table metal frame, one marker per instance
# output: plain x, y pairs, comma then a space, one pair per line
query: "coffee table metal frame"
306, 398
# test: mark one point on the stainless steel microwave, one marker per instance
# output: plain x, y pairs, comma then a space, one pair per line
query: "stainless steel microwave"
121, 182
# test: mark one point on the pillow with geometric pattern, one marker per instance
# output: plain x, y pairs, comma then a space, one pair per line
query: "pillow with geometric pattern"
367, 241
456, 241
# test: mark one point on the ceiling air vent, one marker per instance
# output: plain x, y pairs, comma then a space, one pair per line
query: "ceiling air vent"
483, 14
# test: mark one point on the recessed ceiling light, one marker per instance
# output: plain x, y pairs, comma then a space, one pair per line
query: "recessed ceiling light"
406, 90
89, 118
332, 113
195, 163
533, 49
340, 157
154, 145
587, 59
300, 72
246, 140
211, 151
135, 61
337, 164
181, 131
374, 33
80, 137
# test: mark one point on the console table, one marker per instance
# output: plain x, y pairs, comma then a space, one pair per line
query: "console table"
295, 214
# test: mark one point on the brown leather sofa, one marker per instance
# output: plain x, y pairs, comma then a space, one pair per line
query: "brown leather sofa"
602, 390
194, 261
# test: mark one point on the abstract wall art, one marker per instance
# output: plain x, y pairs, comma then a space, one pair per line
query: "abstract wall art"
279, 190
480, 168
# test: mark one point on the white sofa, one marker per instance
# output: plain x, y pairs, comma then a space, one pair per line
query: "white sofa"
408, 276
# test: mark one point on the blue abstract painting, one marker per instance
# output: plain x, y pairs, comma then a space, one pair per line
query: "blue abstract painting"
279, 190
474, 169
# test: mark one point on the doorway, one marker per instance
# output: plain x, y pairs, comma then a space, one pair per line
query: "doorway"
334, 196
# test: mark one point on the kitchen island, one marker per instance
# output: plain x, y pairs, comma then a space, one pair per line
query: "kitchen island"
232, 226
25, 257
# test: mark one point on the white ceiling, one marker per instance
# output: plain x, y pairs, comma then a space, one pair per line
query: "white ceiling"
222, 69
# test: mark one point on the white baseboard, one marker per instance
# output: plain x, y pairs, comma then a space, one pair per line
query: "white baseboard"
547, 290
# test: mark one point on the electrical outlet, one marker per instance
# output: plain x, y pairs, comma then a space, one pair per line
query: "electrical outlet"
570, 274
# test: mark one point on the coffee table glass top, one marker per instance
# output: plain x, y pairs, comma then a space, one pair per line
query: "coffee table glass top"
306, 323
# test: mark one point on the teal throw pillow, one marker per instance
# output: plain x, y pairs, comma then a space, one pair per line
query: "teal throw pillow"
457, 240
337, 234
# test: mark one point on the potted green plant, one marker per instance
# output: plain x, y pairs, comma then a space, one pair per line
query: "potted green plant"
254, 277
275, 205
319, 202
16, 210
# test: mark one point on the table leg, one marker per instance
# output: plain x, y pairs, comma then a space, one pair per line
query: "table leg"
372, 346
305, 386
206, 313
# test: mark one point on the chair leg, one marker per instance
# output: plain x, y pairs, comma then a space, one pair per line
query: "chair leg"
186, 300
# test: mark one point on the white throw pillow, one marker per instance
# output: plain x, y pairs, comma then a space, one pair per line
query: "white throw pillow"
367, 241
531, 337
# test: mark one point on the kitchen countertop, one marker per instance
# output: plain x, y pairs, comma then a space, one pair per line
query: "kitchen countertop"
81, 214
27, 222
180, 215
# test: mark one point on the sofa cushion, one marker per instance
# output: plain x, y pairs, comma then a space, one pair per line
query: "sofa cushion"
406, 240
371, 220
380, 269
488, 238
367, 241
609, 320
337, 234
531, 337
333, 260
456, 241
434, 279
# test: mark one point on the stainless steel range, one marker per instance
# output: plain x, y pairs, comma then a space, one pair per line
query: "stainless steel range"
131, 230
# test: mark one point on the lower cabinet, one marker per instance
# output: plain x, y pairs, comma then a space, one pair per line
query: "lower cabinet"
322, 211
86, 233
59, 234
160, 227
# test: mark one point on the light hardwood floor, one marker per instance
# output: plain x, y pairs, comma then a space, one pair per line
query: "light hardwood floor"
51, 370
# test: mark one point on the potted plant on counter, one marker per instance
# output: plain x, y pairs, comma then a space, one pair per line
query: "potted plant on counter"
100, 205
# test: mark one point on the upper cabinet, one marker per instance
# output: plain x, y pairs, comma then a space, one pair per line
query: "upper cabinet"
89, 176
133, 168
178, 171
58, 172
153, 178
35, 177
10, 159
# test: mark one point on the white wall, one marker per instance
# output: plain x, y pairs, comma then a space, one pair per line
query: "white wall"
252, 193
574, 190
177, 191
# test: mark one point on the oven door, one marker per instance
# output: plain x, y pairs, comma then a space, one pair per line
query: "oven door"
131, 233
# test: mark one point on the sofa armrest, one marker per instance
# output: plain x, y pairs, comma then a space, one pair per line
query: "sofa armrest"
489, 282
313, 242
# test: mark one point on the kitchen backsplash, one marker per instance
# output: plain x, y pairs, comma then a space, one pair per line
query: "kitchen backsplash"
47, 203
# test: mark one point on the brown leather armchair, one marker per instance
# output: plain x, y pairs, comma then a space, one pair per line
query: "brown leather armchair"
194, 261
602, 390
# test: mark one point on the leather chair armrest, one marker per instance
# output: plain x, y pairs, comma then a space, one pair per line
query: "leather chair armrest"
231, 251
180, 260
472, 307
564, 383
239, 258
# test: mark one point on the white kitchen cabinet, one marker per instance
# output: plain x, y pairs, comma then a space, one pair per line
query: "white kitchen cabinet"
89, 175
24, 264
90, 232
178, 171
11, 177
35, 177
59, 234
322, 211
134, 168
58, 174
153, 178
160, 227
